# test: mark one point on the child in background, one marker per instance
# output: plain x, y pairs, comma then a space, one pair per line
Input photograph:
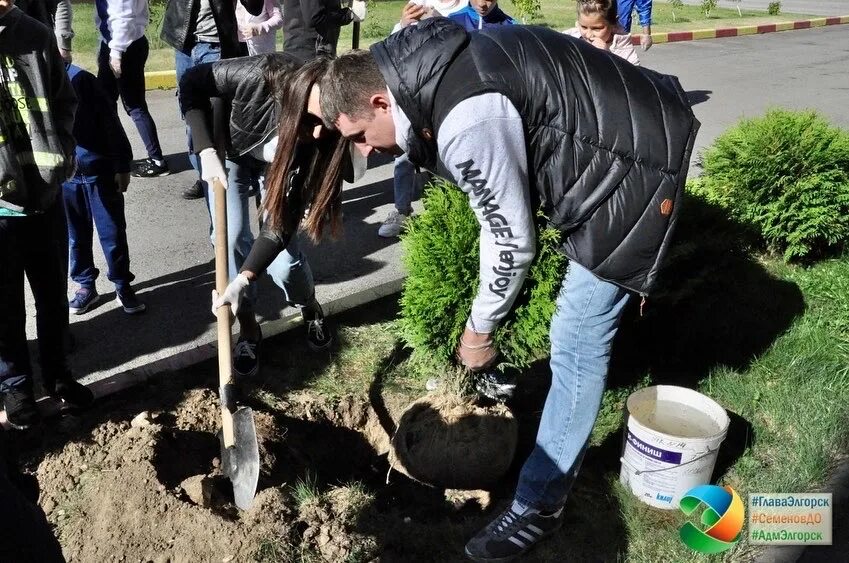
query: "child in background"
480, 14
598, 25
260, 32
95, 196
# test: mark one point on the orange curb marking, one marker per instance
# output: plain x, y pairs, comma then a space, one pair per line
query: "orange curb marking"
676, 36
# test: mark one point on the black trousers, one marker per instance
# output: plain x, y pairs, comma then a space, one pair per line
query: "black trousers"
35, 246
130, 86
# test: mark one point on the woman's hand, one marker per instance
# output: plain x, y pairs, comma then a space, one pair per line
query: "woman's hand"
232, 296
211, 167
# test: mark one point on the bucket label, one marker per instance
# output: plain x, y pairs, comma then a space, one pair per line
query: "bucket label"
653, 451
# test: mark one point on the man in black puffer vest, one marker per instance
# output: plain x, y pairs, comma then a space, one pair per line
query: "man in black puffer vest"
524, 119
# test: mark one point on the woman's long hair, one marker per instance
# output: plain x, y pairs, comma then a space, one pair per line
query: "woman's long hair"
321, 191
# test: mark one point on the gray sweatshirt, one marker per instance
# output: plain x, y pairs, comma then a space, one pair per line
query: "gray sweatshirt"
37, 106
481, 143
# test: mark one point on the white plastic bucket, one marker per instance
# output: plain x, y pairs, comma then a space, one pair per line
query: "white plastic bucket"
671, 439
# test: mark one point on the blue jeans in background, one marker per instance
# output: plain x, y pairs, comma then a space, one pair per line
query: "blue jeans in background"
290, 270
201, 53
585, 321
404, 184
95, 201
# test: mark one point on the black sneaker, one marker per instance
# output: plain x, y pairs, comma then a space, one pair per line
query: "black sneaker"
84, 299
195, 191
319, 335
147, 168
246, 357
512, 534
129, 302
19, 404
496, 384
73, 395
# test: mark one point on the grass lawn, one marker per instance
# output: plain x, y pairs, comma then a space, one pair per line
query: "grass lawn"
383, 14
767, 340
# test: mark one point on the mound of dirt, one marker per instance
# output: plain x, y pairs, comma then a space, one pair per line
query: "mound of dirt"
112, 498
447, 442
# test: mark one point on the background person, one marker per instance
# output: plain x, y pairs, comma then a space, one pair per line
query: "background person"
94, 195
259, 32
311, 27
36, 155
625, 9
597, 24
120, 67
202, 31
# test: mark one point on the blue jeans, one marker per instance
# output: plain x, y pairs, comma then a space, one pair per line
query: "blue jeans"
582, 330
404, 184
201, 53
89, 201
290, 270
625, 9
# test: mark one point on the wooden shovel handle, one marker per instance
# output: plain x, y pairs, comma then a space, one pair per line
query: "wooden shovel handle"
222, 277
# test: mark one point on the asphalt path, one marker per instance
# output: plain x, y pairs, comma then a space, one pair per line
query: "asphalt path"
812, 7
169, 240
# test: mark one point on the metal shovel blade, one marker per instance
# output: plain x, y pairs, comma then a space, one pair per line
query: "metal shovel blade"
240, 462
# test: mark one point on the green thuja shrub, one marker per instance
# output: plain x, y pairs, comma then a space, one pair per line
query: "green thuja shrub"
786, 175
442, 259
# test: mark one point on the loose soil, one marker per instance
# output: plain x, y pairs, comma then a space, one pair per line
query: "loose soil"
138, 479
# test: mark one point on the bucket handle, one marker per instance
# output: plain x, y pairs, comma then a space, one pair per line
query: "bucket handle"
695, 459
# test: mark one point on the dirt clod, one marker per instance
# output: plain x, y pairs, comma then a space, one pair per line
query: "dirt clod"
199, 489
141, 420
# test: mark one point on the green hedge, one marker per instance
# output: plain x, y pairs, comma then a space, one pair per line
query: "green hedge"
786, 175
442, 260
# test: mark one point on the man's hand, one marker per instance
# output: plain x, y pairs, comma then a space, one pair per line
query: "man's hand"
412, 13
476, 350
115, 65
211, 167
122, 180
66, 55
359, 11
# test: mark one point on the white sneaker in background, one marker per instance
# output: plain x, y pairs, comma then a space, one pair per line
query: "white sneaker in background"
393, 224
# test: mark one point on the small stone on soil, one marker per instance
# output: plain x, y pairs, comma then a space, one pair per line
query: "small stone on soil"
141, 420
199, 489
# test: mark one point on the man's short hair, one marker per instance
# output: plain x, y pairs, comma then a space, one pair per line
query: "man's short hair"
348, 85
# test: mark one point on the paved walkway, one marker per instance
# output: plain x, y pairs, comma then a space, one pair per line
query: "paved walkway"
813, 7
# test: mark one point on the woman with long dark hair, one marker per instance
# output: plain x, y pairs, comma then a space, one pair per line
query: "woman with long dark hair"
269, 121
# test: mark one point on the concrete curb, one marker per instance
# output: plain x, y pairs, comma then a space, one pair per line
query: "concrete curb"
205, 349
676, 36
167, 79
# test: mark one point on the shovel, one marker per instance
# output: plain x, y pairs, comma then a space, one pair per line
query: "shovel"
239, 450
